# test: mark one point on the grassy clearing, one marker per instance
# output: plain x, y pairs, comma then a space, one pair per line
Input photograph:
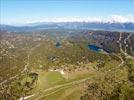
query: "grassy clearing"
67, 93
47, 79
54, 77
53, 82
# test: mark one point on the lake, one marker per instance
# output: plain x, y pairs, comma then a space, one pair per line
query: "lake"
58, 45
94, 48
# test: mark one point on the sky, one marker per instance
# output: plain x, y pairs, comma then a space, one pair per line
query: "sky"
30, 11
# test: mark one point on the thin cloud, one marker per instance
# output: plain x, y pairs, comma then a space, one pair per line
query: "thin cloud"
122, 19
113, 18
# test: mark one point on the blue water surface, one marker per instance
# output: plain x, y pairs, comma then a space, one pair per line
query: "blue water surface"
58, 45
94, 48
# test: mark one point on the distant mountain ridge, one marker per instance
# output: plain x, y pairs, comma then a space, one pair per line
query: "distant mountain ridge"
110, 26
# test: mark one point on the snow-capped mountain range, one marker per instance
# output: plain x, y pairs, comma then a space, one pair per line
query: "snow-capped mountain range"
111, 26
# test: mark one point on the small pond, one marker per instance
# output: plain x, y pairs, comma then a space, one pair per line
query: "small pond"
58, 45
94, 48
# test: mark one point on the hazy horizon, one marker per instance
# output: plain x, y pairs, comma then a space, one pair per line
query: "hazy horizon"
14, 12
